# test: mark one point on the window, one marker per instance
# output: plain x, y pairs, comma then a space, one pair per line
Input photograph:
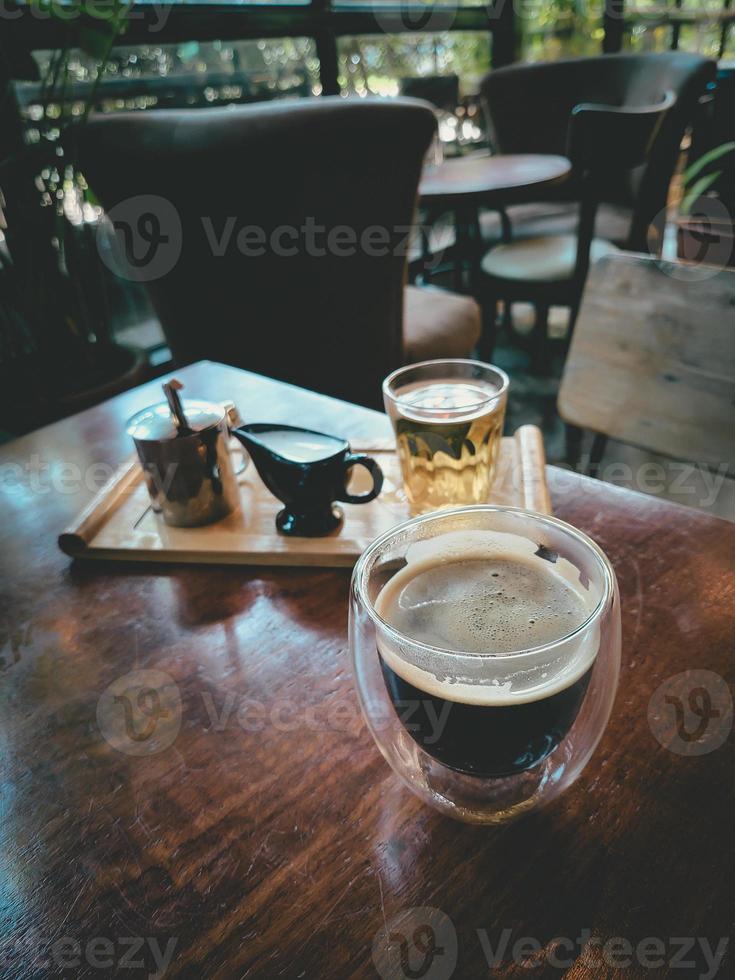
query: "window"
376, 64
703, 38
560, 29
190, 74
643, 38
700, 26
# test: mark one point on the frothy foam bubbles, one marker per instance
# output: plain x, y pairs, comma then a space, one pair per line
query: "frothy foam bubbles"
494, 606
488, 595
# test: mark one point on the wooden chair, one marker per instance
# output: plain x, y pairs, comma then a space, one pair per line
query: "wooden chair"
652, 361
528, 108
604, 141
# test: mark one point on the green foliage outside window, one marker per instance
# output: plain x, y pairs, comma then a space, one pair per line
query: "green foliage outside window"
560, 28
374, 64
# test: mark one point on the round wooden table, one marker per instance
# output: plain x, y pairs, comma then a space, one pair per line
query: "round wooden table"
481, 177
464, 184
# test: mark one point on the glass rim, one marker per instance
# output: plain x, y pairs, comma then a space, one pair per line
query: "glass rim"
396, 399
608, 578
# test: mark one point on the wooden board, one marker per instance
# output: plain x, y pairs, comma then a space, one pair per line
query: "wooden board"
652, 362
120, 523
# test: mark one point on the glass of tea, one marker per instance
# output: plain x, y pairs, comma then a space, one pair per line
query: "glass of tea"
486, 649
448, 418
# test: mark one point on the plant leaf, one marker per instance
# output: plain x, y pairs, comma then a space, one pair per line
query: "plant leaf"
697, 189
698, 166
106, 11
94, 39
91, 198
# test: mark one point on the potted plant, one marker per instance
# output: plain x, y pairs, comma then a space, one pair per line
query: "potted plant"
57, 354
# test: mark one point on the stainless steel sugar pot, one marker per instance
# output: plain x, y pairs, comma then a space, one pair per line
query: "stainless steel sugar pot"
182, 445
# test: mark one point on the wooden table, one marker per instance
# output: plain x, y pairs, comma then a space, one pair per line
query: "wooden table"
463, 185
266, 836
491, 179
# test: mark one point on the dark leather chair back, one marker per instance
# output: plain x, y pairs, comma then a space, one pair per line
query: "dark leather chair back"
441, 90
604, 141
528, 109
315, 180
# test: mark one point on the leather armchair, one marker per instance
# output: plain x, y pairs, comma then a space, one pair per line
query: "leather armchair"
315, 200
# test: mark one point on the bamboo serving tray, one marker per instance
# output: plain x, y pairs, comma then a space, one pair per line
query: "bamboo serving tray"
119, 523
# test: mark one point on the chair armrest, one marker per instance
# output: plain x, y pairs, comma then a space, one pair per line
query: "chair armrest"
604, 138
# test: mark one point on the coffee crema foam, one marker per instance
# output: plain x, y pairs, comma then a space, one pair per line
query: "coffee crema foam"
483, 598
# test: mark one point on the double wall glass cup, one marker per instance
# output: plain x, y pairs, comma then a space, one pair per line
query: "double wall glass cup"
486, 649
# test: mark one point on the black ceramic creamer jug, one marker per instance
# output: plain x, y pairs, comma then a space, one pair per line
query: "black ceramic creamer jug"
308, 471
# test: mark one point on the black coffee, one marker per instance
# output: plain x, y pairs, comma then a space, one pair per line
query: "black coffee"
514, 710
485, 741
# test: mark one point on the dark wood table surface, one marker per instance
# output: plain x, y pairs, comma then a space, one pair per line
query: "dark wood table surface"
263, 835
492, 179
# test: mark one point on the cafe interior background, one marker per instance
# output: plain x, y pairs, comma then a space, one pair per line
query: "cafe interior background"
546, 186
77, 326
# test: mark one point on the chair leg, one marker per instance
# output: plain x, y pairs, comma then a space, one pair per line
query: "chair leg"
573, 439
599, 443
505, 224
540, 353
475, 250
573, 314
508, 317
425, 253
489, 328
